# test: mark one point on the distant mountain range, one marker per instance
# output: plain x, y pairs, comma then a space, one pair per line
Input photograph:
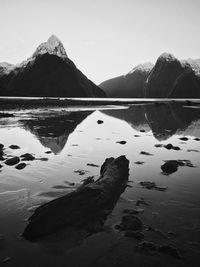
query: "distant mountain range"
49, 73
168, 78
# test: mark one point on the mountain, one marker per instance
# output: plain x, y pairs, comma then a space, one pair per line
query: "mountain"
129, 85
168, 78
173, 78
49, 72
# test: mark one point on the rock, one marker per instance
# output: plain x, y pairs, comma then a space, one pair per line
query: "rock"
12, 161
197, 139
20, 166
142, 131
43, 159
1, 166
99, 121
121, 142
88, 180
48, 152
139, 162
161, 188
184, 138
1, 146
27, 157
80, 172
14, 147
146, 153
192, 150
148, 185
92, 165
130, 222
158, 145
170, 146
171, 166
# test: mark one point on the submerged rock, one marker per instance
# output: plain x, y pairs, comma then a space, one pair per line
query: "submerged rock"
121, 142
27, 157
171, 166
139, 162
12, 161
20, 166
14, 147
146, 153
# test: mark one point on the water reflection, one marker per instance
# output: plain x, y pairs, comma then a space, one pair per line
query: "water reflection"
53, 132
164, 120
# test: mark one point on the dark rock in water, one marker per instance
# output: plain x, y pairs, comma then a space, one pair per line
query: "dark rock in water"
139, 162
80, 172
142, 131
171, 166
42, 159
170, 250
27, 157
197, 139
146, 153
121, 142
12, 161
158, 145
192, 150
184, 138
20, 166
14, 147
170, 146
48, 152
148, 185
1, 166
92, 165
48, 73
130, 222
99, 121
1, 146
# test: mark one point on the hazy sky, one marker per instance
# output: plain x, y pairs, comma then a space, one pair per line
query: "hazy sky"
104, 38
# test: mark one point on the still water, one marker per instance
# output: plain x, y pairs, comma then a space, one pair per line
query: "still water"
64, 142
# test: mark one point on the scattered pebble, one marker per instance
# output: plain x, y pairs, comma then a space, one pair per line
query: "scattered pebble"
139, 162
92, 165
121, 142
14, 147
20, 166
48, 152
27, 157
146, 153
12, 161
184, 138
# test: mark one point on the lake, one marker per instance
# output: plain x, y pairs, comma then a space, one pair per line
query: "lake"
69, 145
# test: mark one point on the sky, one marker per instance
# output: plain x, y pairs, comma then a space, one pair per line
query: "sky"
104, 38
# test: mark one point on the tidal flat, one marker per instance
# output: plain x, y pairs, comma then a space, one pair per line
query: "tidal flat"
60, 147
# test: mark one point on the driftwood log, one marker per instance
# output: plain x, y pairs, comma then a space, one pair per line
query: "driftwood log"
87, 207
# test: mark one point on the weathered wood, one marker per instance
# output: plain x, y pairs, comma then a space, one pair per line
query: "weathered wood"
87, 207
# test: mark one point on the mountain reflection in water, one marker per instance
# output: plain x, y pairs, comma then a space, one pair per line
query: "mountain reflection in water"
164, 120
53, 132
